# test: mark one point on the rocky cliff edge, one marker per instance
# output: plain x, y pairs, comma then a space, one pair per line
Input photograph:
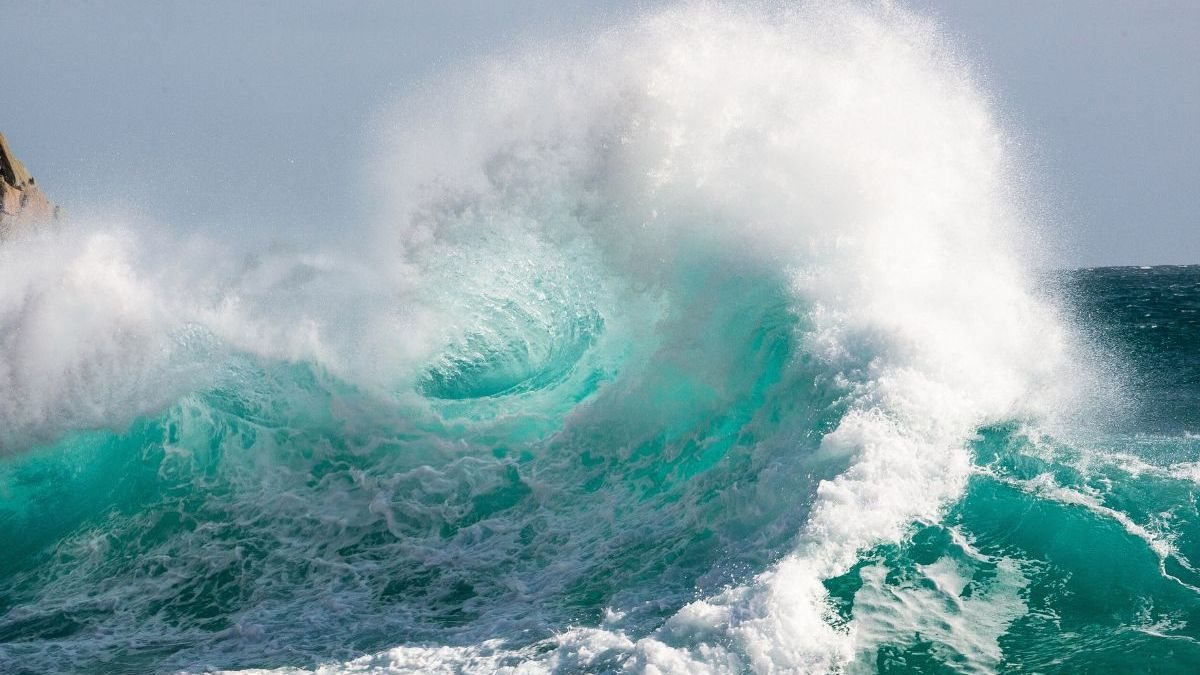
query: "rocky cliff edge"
22, 202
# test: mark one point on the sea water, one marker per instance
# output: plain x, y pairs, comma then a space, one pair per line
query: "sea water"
717, 342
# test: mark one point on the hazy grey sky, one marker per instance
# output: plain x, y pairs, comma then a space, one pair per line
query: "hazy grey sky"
236, 114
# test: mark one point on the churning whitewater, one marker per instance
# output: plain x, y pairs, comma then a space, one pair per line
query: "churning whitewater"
708, 344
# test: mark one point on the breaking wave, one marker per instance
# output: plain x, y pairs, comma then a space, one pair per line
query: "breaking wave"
657, 335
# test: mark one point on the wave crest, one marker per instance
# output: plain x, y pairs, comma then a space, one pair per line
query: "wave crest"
710, 302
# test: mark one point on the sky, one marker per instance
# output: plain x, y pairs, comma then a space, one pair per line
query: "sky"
229, 115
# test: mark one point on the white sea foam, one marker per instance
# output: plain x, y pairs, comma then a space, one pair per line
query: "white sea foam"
967, 627
81, 335
843, 146
102, 321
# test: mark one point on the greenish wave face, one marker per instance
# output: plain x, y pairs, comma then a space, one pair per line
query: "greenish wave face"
704, 345
284, 517
1055, 560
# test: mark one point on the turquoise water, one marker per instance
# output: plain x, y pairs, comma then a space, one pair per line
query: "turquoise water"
709, 344
283, 519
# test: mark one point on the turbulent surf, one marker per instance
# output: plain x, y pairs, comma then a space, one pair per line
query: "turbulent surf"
715, 342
